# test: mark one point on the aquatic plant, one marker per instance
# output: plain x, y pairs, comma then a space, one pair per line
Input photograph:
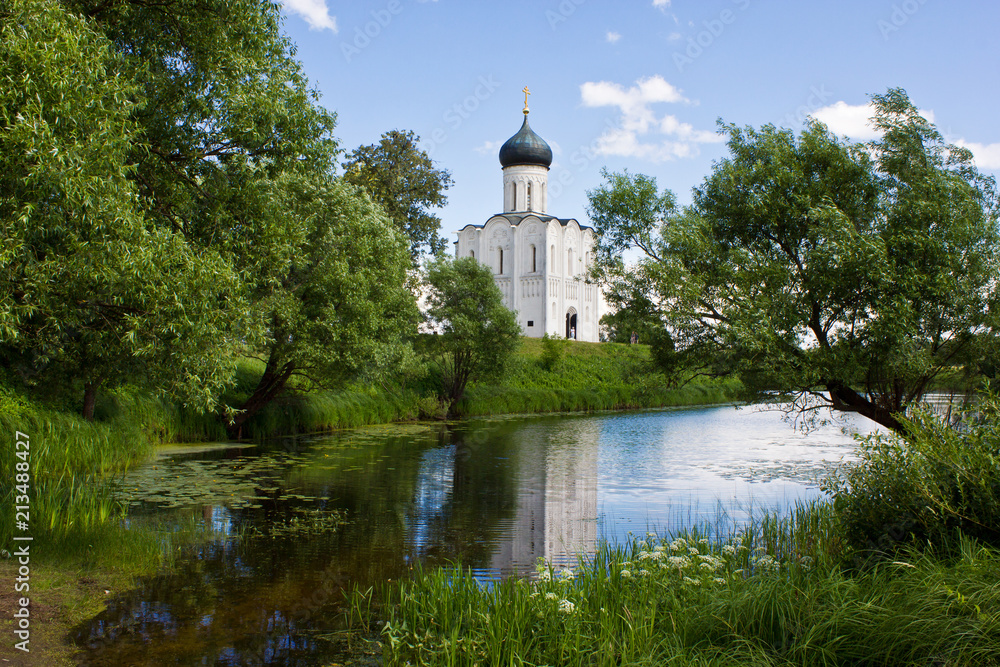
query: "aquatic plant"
768, 594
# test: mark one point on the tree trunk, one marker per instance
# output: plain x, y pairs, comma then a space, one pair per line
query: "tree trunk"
270, 386
89, 400
848, 400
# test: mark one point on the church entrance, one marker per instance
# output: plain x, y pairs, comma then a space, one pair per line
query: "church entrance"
571, 324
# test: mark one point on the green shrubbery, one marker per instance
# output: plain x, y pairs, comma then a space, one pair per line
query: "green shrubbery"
927, 488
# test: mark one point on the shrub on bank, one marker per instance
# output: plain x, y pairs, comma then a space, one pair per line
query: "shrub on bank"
925, 489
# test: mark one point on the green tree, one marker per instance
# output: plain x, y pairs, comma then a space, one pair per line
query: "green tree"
403, 180
807, 265
342, 307
476, 333
90, 293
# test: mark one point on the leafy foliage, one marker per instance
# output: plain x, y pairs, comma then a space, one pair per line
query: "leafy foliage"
342, 307
926, 488
477, 332
403, 180
90, 292
553, 348
809, 266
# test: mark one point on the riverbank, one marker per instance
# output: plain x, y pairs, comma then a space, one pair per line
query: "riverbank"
73, 462
898, 567
776, 593
580, 377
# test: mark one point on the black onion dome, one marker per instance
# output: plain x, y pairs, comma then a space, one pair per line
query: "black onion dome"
525, 147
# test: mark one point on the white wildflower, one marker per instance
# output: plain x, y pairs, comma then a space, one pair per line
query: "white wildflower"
692, 582
692, 550
566, 607
729, 550
566, 574
766, 562
551, 596
719, 580
703, 541
544, 575
678, 561
711, 561
626, 574
678, 545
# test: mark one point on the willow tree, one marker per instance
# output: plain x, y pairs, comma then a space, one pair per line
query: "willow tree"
91, 293
852, 274
341, 308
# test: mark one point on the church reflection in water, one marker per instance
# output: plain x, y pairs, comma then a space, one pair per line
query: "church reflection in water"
532, 491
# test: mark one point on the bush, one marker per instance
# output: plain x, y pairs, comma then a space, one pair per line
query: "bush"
926, 488
552, 351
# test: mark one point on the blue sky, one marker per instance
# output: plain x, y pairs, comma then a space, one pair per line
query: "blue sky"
636, 84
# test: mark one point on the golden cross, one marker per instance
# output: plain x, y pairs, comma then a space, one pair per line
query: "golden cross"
526, 93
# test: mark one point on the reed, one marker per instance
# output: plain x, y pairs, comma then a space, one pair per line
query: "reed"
769, 593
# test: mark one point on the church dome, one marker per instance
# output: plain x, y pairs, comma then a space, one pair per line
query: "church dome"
525, 147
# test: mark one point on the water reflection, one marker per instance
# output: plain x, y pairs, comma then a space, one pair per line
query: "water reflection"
297, 524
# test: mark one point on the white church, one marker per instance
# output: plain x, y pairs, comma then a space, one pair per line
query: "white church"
540, 262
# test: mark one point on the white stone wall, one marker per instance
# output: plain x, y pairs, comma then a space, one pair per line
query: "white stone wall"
543, 272
516, 180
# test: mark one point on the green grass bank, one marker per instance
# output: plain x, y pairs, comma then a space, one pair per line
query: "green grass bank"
585, 377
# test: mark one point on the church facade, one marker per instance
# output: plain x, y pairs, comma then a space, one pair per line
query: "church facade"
539, 262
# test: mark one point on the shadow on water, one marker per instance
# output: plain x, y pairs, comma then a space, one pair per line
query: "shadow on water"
291, 527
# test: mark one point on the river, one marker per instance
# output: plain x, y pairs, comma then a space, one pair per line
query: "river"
283, 529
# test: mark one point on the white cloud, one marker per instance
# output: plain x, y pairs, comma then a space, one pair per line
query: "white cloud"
315, 13
987, 156
613, 37
853, 120
639, 132
662, 4
488, 147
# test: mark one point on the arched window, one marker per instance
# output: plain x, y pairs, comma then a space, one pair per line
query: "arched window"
527, 206
552, 254
569, 262
472, 254
501, 262
534, 259
513, 196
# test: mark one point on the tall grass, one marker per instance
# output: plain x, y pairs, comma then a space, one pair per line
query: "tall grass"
771, 594
72, 460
